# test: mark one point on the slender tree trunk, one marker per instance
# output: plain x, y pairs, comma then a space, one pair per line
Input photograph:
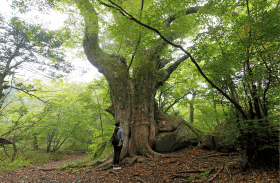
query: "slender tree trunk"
191, 116
49, 142
35, 142
15, 149
215, 110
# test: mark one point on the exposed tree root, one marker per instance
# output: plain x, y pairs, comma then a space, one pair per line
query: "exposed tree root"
130, 161
104, 164
114, 172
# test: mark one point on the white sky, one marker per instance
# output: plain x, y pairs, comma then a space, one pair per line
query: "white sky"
54, 21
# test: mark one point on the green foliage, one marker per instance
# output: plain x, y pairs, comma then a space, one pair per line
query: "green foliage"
22, 42
70, 119
7, 165
26, 158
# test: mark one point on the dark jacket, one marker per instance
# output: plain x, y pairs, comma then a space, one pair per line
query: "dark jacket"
120, 135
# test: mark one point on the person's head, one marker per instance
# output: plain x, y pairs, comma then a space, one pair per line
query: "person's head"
118, 123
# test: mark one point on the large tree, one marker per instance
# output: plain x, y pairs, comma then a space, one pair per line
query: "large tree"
134, 83
139, 58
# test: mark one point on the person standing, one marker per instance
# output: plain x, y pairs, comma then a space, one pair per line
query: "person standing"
118, 147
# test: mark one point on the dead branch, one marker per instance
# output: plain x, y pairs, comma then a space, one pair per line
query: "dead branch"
229, 173
180, 176
47, 169
192, 171
170, 156
212, 178
139, 179
168, 162
217, 155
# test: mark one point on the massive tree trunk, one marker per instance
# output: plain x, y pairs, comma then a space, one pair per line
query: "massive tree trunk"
132, 95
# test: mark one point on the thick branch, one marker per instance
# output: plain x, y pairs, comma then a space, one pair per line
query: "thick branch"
110, 110
167, 72
189, 11
104, 62
238, 107
174, 66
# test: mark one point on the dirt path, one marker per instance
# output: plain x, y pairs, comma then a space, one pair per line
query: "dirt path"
192, 165
69, 159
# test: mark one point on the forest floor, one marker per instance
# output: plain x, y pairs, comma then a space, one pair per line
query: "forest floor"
188, 165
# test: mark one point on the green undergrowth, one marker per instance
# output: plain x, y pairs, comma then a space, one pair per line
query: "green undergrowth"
84, 165
29, 158
100, 151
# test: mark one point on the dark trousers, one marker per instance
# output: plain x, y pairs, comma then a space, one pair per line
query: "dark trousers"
117, 153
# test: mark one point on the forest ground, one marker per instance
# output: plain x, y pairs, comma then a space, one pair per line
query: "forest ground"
187, 165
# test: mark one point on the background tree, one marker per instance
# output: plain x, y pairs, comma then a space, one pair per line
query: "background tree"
239, 54
28, 47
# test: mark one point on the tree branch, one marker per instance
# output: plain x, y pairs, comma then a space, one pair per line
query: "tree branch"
95, 55
139, 39
167, 72
26, 92
176, 101
174, 66
189, 11
169, 20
